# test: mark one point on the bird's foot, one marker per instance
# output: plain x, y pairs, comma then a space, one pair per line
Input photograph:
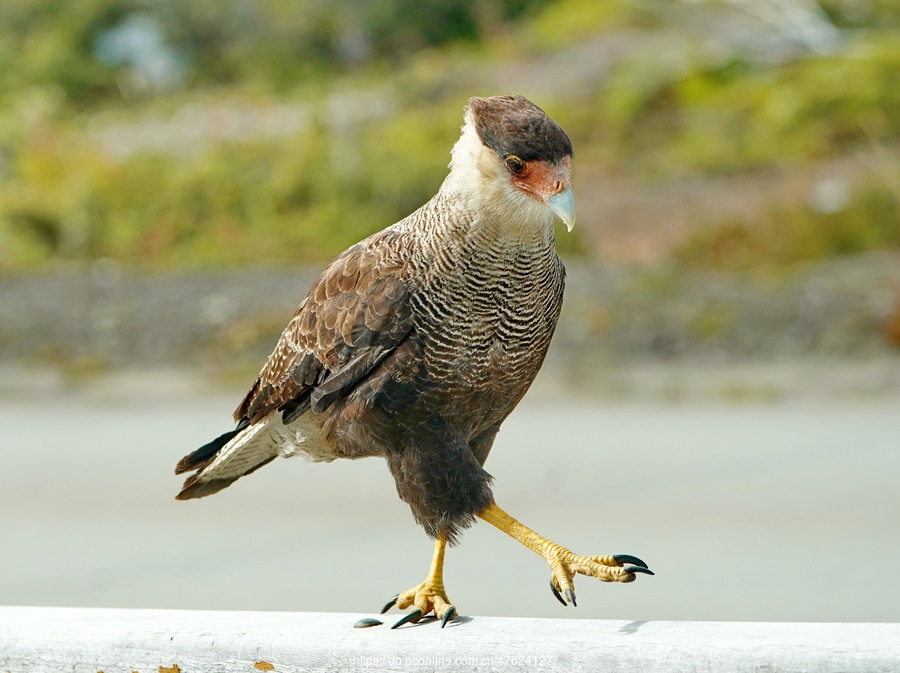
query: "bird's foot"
428, 597
564, 565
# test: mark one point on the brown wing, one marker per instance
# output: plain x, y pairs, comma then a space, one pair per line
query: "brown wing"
354, 315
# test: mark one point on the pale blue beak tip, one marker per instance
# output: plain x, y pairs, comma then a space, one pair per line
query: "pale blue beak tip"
563, 206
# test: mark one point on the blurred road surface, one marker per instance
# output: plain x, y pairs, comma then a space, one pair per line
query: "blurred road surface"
781, 511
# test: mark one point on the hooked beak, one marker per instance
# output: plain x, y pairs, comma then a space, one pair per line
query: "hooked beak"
563, 206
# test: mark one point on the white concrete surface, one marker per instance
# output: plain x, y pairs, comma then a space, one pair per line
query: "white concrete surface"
39, 640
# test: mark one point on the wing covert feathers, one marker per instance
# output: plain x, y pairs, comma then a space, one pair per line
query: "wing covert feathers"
353, 316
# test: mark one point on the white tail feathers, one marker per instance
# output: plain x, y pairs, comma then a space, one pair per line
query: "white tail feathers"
253, 447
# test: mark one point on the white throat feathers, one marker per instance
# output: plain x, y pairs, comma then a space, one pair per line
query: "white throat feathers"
480, 182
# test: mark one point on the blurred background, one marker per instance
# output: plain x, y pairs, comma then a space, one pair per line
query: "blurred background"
723, 394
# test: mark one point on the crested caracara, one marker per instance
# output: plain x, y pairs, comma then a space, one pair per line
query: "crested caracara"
416, 343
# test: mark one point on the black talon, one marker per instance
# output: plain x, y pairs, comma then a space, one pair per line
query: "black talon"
636, 569
571, 596
391, 603
448, 616
556, 593
622, 559
367, 623
415, 614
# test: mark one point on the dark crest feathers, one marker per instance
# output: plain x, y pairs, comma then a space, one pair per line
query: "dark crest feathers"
515, 125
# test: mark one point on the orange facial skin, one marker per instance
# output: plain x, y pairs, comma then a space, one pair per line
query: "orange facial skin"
541, 180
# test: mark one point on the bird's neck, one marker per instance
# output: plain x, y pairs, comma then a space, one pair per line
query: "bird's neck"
486, 208
497, 222
486, 215
473, 240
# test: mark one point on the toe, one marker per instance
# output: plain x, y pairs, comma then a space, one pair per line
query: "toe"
424, 599
556, 593
561, 583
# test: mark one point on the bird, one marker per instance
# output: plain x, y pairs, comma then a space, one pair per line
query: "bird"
416, 343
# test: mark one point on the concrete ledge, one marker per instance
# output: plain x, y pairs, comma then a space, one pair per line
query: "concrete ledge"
33, 640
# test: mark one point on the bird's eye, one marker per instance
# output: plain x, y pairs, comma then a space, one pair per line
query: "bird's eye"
515, 164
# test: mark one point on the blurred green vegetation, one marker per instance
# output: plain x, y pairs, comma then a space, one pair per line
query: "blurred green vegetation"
734, 115
786, 237
229, 203
143, 131
83, 48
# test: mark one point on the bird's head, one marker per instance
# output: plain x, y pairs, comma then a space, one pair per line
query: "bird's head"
514, 152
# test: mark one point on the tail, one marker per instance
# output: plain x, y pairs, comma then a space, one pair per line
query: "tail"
226, 459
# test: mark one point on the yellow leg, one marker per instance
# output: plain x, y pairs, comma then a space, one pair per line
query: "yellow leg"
429, 596
564, 564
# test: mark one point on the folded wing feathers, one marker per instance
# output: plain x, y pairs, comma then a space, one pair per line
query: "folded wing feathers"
334, 386
352, 318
